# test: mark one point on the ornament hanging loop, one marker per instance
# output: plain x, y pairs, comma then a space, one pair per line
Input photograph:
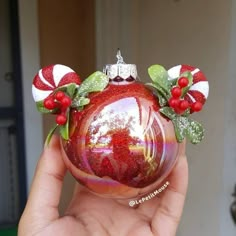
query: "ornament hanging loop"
120, 59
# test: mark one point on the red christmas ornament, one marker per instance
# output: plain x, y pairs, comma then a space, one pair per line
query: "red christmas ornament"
121, 146
120, 139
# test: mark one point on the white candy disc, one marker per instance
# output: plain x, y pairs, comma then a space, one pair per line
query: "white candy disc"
51, 77
200, 88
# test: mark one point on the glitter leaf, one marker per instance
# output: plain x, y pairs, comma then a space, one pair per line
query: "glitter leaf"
94, 83
70, 89
80, 102
181, 125
195, 132
42, 109
168, 112
159, 76
162, 100
158, 90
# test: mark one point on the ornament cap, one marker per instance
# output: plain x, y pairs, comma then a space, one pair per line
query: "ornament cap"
120, 72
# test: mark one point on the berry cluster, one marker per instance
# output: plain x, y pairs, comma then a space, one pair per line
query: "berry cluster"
59, 101
179, 104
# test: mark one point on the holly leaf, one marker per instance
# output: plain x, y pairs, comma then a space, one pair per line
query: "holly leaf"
96, 82
49, 136
64, 129
70, 89
159, 89
195, 132
162, 100
168, 112
79, 102
181, 125
44, 110
173, 82
186, 113
189, 76
159, 76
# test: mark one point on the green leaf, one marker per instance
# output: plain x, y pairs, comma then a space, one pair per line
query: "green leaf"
70, 89
189, 76
162, 100
94, 83
49, 136
181, 125
64, 129
173, 82
79, 102
186, 113
195, 132
159, 76
168, 112
42, 109
159, 89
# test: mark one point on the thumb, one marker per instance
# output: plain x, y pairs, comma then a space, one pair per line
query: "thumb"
44, 197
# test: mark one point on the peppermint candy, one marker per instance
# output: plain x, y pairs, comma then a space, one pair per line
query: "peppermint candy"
199, 90
50, 78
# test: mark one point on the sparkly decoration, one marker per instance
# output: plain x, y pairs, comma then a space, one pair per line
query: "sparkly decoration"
120, 137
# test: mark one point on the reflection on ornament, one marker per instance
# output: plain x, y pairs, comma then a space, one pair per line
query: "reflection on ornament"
121, 146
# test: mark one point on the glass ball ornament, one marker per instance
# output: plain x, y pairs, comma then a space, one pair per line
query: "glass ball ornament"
119, 145
120, 138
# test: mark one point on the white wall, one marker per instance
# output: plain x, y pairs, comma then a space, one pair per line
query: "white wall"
197, 33
229, 171
30, 65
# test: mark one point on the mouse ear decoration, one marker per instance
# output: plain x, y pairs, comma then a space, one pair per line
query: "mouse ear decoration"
57, 88
198, 91
48, 81
181, 91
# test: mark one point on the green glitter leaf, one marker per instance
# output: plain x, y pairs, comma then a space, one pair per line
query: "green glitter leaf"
195, 132
94, 83
162, 100
159, 76
168, 112
80, 102
64, 129
44, 110
70, 89
159, 89
181, 125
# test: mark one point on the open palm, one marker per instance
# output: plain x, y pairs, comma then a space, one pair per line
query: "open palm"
88, 214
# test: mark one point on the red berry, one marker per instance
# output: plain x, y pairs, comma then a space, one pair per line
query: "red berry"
183, 82
59, 95
183, 105
173, 102
176, 92
66, 101
61, 119
49, 103
196, 106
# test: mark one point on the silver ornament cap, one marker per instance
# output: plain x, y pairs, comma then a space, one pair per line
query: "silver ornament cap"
120, 72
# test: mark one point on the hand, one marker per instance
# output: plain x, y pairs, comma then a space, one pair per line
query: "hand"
88, 214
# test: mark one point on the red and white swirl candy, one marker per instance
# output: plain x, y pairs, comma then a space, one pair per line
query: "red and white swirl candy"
199, 90
50, 78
